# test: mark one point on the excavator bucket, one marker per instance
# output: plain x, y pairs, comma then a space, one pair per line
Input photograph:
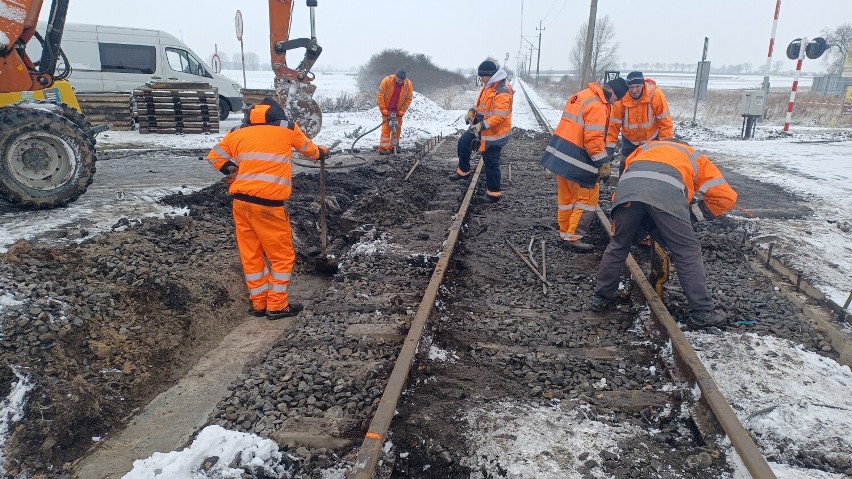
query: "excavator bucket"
298, 102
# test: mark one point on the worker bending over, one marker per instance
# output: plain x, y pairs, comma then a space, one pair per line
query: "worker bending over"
664, 185
577, 155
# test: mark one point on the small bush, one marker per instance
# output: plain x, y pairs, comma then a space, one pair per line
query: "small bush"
426, 76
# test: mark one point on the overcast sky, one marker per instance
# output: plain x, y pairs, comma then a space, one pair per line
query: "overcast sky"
461, 33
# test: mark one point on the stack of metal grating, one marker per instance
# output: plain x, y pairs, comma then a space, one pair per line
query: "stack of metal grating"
179, 107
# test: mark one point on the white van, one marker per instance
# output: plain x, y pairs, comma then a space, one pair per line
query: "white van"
119, 59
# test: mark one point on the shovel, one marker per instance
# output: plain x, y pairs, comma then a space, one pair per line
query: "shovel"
324, 264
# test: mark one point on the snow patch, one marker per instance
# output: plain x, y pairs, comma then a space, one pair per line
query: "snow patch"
12, 411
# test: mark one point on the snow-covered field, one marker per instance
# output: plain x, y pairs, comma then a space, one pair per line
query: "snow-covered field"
743, 365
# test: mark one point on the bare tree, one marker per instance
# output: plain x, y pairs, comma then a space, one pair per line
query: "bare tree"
604, 48
839, 39
252, 61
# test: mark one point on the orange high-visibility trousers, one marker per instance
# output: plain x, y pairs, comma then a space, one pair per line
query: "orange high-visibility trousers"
577, 207
265, 230
386, 143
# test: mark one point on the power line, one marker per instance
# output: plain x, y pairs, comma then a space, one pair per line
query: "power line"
564, 4
551, 9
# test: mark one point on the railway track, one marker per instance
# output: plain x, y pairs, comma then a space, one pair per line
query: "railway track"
715, 411
456, 341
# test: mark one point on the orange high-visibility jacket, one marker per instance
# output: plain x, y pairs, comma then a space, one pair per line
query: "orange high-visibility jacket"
383, 96
671, 176
494, 106
641, 120
262, 151
577, 147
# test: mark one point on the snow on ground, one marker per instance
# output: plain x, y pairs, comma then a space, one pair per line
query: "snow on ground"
538, 442
12, 411
815, 166
742, 364
794, 401
233, 451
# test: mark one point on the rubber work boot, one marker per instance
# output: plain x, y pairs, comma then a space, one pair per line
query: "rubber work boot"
492, 198
257, 312
385, 152
600, 303
704, 319
291, 310
578, 245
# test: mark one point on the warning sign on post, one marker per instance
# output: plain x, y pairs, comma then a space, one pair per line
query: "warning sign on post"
216, 63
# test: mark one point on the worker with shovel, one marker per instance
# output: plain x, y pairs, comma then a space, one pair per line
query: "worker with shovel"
257, 159
394, 97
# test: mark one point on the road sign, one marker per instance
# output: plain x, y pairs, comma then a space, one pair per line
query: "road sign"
216, 63
238, 22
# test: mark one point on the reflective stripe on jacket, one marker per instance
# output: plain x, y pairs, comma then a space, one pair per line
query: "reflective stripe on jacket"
577, 148
641, 120
406, 94
263, 156
495, 107
669, 175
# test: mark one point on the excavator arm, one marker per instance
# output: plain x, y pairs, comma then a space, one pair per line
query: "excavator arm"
18, 21
293, 86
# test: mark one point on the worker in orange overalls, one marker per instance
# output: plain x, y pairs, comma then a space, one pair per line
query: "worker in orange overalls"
665, 185
257, 159
490, 127
577, 155
394, 96
641, 116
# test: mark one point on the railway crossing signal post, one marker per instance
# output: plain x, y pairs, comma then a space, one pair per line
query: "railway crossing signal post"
796, 50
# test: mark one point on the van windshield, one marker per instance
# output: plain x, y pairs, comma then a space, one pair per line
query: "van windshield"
183, 61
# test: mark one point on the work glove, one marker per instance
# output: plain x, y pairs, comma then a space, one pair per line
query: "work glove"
604, 171
476, 128
399, 114
470, 116
610, 152
323, 152
230, 176
697, 212
384, 113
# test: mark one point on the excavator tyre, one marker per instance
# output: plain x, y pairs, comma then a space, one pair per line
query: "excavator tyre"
47, 154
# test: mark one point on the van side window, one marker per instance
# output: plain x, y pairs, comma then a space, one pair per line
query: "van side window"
183, 61
120, 58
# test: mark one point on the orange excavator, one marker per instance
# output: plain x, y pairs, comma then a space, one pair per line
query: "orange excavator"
294, 87
47, 147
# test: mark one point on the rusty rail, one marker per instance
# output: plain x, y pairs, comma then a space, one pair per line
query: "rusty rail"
753, 460
371, 448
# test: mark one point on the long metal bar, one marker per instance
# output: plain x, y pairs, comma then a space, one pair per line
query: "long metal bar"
371, 448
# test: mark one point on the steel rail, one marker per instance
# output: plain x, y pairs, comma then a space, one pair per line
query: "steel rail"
753, 460
371, 449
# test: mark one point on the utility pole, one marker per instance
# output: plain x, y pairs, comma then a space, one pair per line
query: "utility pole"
590, 37
538, 61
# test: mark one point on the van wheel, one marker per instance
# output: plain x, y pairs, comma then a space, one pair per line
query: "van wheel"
224, 108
